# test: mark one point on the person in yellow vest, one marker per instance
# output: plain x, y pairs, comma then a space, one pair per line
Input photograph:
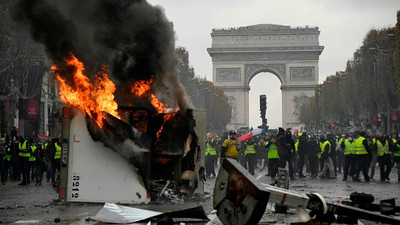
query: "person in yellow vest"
230, 147
347, 147
48, 156
326, 155
24, 154
381, 144
273, 156
210, 155
250, 155
339, 153
31, 162
55, 159
362, 151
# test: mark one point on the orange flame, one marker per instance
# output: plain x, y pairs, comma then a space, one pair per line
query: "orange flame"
141, 88
92, 99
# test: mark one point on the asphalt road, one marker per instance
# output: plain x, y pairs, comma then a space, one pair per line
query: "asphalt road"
39, 205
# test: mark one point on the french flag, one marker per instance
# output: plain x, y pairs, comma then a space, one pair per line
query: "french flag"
251, 134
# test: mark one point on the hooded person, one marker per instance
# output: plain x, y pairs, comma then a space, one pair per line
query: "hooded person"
285, 146
302, 152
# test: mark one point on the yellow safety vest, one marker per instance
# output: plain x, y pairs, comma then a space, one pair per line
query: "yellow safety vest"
397, 146
324, 145
33, 158
296, 145
340, 141
273, 152
210, 150
8, 155
23, 151
359, 147
349, 148
250, 149
57, 155
382, 149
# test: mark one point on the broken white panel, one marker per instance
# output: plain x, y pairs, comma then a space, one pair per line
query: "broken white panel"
113, 213
97, 173
286, 197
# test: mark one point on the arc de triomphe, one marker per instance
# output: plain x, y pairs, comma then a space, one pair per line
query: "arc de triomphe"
292, 54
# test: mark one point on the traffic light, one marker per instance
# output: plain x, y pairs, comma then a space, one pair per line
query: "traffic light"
378, 125
263, 105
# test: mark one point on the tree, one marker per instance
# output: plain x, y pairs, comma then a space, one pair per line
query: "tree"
368, 86
203, 94
21, 69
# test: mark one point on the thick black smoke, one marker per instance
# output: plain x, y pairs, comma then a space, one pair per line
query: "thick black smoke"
132, 37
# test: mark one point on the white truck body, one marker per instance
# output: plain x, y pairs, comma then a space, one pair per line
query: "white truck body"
96, 173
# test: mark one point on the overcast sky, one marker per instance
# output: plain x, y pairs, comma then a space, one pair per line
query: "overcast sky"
343, 25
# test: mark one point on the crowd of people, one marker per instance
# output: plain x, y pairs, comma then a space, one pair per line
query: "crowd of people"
305, 154
29, 160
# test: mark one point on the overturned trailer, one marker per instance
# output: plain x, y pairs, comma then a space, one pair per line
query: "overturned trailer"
240, 199
121, 161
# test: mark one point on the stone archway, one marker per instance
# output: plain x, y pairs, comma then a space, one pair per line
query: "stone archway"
291, 54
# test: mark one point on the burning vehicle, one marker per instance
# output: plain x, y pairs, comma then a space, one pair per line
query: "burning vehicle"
115, 65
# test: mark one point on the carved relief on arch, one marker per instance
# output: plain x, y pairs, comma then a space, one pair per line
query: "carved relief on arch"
299, 101
228, 74
232, 103
278, 69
